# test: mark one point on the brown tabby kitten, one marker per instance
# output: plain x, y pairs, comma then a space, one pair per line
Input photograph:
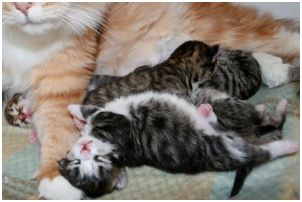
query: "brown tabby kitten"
222, 74
16, 113
193, 61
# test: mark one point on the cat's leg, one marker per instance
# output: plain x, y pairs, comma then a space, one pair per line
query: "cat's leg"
58, 83
274, 72
56, 133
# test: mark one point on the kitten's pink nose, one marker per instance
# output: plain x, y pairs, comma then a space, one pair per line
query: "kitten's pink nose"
23, 7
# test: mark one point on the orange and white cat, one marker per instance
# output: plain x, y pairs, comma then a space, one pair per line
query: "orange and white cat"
52, 49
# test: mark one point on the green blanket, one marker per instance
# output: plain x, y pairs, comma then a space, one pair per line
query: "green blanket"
279, 179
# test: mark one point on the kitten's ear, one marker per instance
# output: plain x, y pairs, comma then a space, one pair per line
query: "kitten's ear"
75, 111
80, 113
214, 52
121, 179
62, 164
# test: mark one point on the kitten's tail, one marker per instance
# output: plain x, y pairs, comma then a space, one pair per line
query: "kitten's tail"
274, 149
228, 152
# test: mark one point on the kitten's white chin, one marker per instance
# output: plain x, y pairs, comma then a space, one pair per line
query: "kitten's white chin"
59, 188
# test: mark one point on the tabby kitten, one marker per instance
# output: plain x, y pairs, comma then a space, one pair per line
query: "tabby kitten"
17, 111
191, 68
159, 130
193, 61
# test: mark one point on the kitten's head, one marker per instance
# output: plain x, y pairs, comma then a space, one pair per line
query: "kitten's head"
93, 163
15, 112
197, 52
38, 18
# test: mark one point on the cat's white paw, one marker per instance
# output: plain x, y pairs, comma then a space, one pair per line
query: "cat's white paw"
59, 188
273, 72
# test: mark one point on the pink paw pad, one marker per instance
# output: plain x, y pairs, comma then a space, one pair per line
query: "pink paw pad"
33, 138
205, 110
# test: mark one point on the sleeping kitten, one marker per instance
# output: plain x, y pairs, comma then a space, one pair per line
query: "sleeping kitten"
17, 112
192, 62
158, 130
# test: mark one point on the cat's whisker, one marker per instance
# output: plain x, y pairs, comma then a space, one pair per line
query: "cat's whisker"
69, 24
80, 21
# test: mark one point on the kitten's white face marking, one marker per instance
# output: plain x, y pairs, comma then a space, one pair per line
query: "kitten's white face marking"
85, 149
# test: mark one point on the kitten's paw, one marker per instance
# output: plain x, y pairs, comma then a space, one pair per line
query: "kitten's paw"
260, 108
58, 188
273, 72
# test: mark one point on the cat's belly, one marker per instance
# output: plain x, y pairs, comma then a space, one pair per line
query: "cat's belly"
150, 51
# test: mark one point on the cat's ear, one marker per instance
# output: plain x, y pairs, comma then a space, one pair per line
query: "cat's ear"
80, 113
121, 179
214, 52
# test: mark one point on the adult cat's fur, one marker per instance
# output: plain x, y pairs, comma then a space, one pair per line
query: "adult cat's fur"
159, 130
57, 49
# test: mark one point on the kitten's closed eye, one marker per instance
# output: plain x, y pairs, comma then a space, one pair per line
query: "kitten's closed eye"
101, 159
74, 162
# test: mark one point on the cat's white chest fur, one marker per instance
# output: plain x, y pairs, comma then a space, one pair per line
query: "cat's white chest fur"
20, 54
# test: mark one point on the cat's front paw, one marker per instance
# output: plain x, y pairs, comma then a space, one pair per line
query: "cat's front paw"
58, 188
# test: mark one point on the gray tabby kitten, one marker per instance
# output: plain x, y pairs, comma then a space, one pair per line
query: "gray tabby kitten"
159, 130
17, 111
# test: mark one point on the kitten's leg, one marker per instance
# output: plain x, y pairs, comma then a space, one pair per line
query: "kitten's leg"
271, 126
240, 153
266, 138
274, 72
278, 118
